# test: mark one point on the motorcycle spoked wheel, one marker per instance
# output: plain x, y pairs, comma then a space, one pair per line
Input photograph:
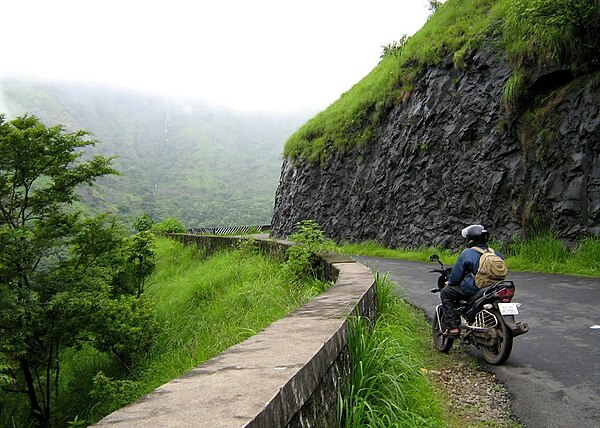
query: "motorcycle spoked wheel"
442, 343
499, 353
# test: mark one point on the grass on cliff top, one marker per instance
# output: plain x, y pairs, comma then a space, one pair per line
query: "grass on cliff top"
530, 33
203, 306
541, 254
351, 120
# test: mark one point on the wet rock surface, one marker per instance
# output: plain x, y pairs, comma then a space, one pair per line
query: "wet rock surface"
451, 156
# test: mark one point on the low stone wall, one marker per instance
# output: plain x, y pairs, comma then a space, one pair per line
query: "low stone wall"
285, 376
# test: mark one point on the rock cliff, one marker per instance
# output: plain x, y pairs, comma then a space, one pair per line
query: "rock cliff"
450, 155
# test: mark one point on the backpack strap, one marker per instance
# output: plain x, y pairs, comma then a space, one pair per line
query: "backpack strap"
482, 251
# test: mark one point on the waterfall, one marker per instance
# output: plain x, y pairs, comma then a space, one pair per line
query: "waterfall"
166, 140
167, 117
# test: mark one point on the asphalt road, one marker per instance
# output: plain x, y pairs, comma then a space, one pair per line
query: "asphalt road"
553, 373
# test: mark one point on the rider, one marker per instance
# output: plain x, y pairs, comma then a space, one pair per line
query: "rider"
461, 283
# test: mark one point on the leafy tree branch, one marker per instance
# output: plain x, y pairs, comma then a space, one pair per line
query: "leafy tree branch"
65, 279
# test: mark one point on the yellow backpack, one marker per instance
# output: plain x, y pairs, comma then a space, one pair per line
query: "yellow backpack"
492, 268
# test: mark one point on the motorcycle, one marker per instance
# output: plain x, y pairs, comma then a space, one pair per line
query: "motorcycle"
487, 319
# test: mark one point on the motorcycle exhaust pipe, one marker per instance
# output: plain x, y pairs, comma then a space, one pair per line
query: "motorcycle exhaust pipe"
520, 328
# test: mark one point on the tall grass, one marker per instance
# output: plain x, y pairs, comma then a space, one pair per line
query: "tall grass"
553, 31
548, 254
375, 249
202, 305
214, 304
387, 387
541, 254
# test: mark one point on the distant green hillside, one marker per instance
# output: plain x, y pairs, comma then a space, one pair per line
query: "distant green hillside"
204, 166
530, 33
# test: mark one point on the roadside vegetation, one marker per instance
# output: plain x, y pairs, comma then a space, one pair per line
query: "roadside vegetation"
96, 314
544, 253
530, 33
400, 380
387, 387
200, 306
67, 281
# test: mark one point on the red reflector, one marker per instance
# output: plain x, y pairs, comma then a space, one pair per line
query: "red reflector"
506, 294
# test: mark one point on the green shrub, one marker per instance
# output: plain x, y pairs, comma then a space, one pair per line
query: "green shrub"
302, 259
170, 225
143, 223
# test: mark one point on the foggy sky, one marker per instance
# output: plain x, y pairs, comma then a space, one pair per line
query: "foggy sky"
269, 55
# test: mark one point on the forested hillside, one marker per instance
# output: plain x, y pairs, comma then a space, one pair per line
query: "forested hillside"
178, 158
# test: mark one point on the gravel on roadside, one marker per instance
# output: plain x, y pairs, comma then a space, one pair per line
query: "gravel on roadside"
474, 396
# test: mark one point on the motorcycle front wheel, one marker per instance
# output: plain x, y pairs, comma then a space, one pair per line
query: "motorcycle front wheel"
442, 343
499, 353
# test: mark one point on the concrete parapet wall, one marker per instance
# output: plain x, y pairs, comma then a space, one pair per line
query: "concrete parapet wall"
285, 376
211, 244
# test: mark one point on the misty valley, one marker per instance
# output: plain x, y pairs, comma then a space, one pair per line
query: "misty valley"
177, 158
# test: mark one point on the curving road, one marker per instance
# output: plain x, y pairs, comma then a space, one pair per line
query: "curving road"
553, 373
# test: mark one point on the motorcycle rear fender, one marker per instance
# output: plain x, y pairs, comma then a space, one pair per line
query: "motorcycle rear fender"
517, 328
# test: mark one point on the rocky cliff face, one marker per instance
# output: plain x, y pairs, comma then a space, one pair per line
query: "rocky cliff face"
449, 156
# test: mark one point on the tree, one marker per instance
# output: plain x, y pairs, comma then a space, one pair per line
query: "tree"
61, 274
143, 223
434, 5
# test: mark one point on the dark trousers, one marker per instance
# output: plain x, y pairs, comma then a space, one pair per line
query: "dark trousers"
450, 297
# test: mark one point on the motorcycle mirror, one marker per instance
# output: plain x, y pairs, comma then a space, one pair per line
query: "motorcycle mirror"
436, 258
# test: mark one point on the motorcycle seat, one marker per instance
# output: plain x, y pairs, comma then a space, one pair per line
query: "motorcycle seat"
476, 296
491, 289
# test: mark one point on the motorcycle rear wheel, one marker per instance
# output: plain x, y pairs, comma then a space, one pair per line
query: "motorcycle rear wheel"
441, 342
499, 353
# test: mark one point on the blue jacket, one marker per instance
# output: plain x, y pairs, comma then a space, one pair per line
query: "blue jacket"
463, 272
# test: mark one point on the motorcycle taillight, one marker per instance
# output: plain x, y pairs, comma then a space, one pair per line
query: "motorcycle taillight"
506, 294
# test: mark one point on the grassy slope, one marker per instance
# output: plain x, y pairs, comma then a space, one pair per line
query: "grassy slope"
530, 33
203, 306
352, 118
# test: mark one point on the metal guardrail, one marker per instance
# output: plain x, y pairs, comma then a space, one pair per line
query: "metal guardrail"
229, 230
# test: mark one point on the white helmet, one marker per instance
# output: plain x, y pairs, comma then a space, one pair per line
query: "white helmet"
475, 234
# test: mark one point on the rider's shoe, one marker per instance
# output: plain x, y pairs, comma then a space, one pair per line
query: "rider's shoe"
453, 333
